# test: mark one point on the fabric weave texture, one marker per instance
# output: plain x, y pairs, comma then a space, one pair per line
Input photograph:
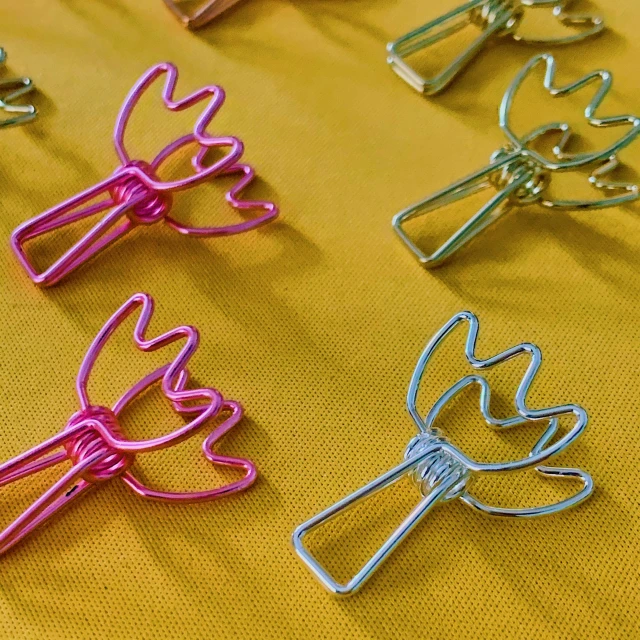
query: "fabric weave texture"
315, 323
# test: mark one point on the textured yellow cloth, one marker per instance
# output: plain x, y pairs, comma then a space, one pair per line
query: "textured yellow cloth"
315, 323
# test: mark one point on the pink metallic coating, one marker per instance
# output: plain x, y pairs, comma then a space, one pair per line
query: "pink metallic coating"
134, 194
93, 440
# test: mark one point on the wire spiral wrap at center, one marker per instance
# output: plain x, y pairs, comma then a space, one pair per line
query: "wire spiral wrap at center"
438, 465
153, 206
88, 442
491, 11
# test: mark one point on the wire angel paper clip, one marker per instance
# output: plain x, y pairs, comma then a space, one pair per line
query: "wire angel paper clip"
10, 90
204, 14
442, 472
135, 195
93, 440
521, 175
496, 19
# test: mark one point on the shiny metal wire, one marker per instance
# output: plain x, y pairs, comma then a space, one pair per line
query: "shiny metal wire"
11, 90
518, 175
496, 19
442, 472
203, 15
93, 440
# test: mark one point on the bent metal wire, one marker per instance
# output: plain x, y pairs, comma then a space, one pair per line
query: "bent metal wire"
521, 175
135, 195
93, 440
204, 14
12, 89
496, 19
442, 472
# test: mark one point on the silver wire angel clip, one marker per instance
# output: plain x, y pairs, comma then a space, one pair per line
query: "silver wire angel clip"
521, 175
442, 472
10, 90
496, 19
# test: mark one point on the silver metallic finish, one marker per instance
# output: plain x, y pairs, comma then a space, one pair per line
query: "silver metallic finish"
521, 175
442, 472
11, 90
496, 19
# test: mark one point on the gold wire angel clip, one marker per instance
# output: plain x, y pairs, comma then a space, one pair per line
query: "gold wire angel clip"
522, 175
496, 19
442, 472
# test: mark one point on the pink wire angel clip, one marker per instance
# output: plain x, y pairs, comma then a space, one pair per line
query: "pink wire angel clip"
202, 15
134, 194
93, 440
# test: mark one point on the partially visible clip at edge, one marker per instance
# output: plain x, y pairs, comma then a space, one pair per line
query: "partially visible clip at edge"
521, 175
496, 18
442, 472
201, 16
15, 88
94, 442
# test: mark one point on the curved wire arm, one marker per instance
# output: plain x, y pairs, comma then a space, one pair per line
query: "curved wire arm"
212, 95
524, 413
566, 473
173, 382
565, 161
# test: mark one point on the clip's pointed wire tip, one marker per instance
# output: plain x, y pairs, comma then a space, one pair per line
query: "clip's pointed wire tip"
16, 88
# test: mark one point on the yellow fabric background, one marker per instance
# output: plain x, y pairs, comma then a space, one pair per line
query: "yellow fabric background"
315, 323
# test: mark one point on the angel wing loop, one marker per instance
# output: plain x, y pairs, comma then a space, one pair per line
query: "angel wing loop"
94, 442
11, 90
442, 472
209, 10
135, 195
496, 19
518, 174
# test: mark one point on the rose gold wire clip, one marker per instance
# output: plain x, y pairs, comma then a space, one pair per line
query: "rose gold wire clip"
134, 195
11, 90
520, 174
496, 19
443, 473
93, 440
201, 16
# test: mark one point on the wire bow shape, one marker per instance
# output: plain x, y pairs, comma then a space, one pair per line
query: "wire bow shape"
442, 472
11, 89
93, 440
522, 175
135, 195
496, 19
201, 16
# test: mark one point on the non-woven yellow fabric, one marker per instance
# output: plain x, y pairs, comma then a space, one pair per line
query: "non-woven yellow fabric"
315, 324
